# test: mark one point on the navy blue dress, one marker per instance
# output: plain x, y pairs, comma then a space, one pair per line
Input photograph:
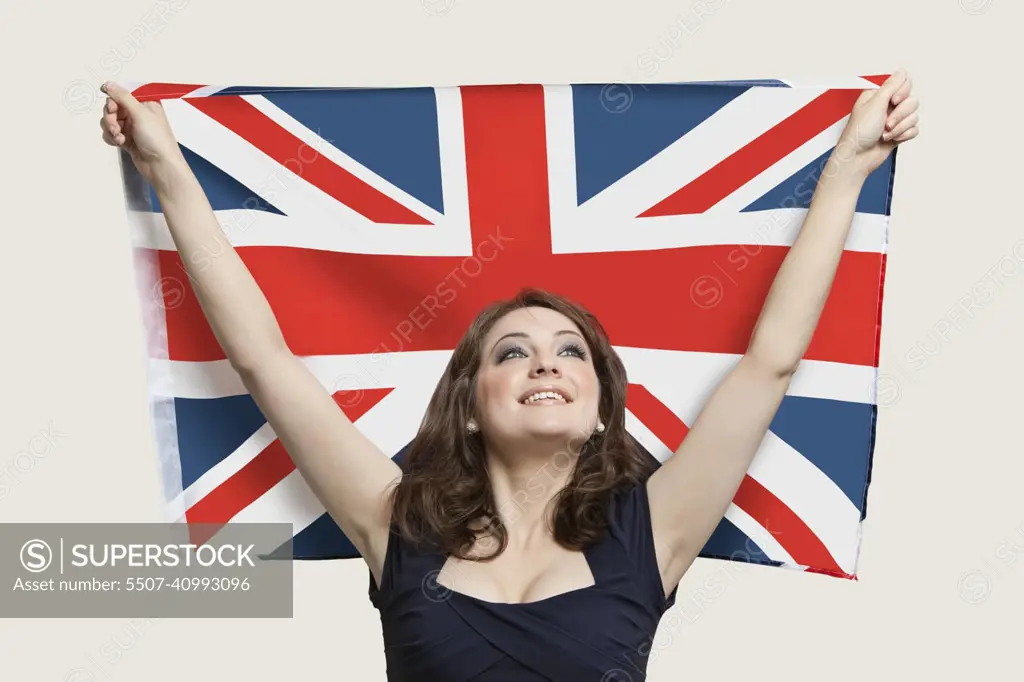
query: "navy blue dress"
601, 633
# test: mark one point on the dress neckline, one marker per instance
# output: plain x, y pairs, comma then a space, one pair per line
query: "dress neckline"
448, 591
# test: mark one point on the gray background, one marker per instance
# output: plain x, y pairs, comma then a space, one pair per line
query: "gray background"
940, 596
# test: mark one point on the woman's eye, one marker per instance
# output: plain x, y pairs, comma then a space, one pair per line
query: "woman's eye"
576, 350
573, 348
510, 352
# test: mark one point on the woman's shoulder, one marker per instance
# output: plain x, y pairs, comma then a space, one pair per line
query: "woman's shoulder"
628, 506
630, 528
405, 559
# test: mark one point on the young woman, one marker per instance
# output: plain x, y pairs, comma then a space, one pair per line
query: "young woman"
527, 539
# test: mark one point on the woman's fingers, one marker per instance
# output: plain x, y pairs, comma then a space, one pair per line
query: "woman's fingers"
901, 121
886, 92
110, 122
903, 92
117, 113
906, 108
910, 134
113, 130
122, 97
903, 126
112, 127
114, 118
116, 140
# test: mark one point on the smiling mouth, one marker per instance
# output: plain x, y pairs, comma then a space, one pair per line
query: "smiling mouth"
545, 398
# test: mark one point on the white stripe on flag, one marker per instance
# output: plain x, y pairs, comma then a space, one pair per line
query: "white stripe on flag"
561, 157
731, 128
775, 227
205, 91
812, 495
220, 472
245, 227
646, 438
695, 374
317, 146
781, 170
758, 535
254, 169
850, 83
290, 501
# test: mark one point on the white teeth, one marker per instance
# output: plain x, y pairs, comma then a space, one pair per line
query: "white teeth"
544, 395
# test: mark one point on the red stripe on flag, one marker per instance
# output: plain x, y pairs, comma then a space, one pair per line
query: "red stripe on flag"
246, 486
507, 173
757, 156
833, 573
241, 117
324, 307
157, 91
269, 467
784, 525
877, 79
878, 315
662, 421
770, 512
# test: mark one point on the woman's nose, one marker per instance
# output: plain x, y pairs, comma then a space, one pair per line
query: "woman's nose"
546, 367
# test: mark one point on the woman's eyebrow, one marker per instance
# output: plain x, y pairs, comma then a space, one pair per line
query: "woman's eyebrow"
524, 335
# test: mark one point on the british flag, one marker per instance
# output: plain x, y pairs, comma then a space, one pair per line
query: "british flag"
378, 222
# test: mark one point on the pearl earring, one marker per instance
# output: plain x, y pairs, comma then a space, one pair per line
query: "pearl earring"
471, 426
600, 427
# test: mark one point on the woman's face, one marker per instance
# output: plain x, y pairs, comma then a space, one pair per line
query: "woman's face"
527, 351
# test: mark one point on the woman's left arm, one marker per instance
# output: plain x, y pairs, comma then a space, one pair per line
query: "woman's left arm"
691, 492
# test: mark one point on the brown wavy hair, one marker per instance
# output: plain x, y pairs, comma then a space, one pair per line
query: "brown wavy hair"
445, 492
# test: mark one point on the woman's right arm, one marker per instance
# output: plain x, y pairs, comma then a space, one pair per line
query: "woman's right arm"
345, 470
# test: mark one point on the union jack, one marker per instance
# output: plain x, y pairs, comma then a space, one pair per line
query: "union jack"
379, 221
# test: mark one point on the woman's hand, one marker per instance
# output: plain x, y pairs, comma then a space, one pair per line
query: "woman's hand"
142, 129
881, 119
